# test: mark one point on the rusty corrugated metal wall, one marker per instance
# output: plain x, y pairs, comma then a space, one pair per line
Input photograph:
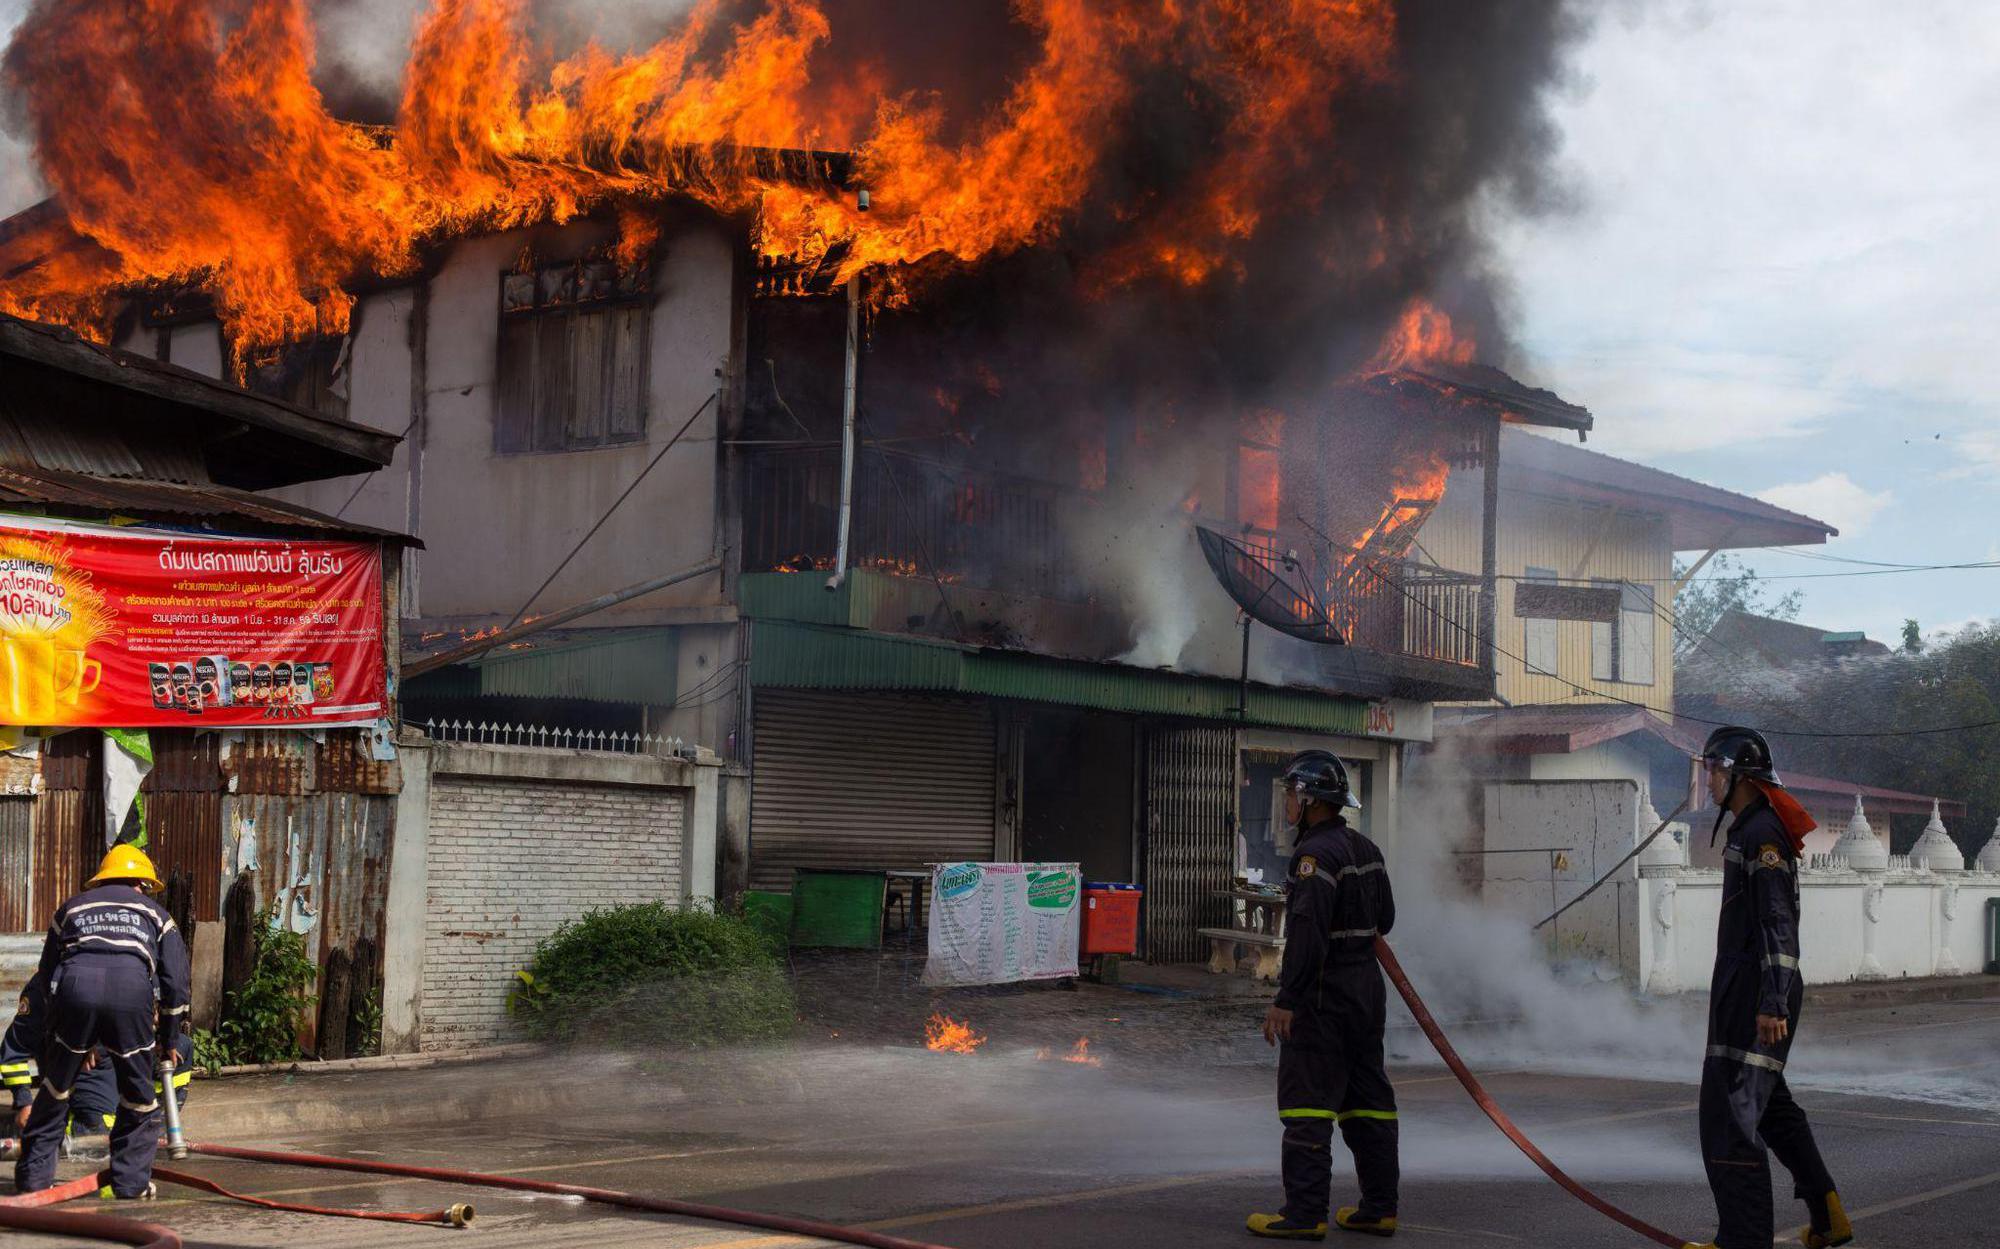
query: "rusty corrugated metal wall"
69, 819
312, 823
184, 813
17, 864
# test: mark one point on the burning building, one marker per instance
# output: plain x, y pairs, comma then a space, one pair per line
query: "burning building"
942, 329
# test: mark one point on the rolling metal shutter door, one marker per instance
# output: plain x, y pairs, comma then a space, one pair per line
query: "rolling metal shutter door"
868, 781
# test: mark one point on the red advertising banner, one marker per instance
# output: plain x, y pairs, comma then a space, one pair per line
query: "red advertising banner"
142, 629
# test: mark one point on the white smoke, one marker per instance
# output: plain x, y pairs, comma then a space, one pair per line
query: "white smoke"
1492, 972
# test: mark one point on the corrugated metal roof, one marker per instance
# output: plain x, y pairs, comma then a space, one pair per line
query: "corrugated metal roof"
600, 665
802, 656
83, 496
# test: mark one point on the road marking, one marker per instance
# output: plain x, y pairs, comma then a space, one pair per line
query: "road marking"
1919, 1027
1676, 1109
1863, 1114
1059, 1199
1917, 1199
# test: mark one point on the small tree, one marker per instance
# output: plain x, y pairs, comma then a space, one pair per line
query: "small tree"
1731, 586
1913, 638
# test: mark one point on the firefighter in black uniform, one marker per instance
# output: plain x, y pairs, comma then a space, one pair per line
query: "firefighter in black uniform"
1329, 1014
113, 959
1754, 1007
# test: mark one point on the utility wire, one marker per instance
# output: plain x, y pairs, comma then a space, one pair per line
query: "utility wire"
522, 610
1476, 636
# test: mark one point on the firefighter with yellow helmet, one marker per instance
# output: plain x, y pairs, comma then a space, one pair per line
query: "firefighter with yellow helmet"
112, 960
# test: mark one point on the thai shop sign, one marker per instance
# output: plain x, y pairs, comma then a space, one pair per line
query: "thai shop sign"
996, 923
143, 629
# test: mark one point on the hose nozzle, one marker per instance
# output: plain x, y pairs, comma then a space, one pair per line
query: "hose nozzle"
459, 1215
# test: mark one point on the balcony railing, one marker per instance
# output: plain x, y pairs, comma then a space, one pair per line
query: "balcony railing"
916, 517
912, 517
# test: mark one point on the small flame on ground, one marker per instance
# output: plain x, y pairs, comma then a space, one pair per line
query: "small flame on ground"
948, 1036
1079, 1053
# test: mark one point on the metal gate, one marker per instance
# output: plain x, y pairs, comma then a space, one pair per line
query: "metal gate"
1191, 797
868, 781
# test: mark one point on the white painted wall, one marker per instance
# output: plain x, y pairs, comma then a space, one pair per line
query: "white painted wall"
1852, 926
495, 525
1596, 822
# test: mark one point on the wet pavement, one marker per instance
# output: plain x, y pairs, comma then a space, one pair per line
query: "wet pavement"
1006, 1148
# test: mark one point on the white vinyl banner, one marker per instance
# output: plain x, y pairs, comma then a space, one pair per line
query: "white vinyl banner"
996, 923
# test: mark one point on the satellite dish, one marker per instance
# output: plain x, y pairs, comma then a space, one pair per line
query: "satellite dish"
1273, 589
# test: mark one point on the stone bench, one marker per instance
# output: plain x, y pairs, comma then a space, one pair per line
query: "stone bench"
1225, 948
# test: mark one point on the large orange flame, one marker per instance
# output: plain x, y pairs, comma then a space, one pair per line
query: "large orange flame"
187, 144
1423, 336
948, 1035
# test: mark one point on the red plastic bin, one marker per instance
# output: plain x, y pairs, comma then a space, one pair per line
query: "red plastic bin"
1111, 919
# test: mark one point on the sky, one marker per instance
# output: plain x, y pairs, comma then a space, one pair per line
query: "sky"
1783, 277
1780, 272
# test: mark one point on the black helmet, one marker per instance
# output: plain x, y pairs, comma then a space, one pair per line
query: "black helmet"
1743, 751
1318, 774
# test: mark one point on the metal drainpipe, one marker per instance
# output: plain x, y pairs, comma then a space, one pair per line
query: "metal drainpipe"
847, 400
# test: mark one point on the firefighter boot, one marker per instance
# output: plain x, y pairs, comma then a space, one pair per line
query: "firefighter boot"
1351, 1219
1830, 1226
1278, 1227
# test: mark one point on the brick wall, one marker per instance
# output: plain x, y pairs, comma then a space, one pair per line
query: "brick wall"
508, 862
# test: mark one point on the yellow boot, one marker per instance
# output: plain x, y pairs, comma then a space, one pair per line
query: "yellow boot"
1278, 1227
1838, 1231
1350, 1219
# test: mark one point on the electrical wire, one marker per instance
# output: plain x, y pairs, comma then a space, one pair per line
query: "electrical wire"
1478, 637
694, 416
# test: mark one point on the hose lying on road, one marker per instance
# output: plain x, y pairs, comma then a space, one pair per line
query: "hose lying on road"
24, 1213
1387, 958
602, 1196
459, 1215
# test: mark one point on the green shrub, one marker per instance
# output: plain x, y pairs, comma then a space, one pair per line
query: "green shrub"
651, 974
210, 1054
261, 1019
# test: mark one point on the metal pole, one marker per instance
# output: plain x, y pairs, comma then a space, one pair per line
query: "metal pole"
1243, 687
848, 395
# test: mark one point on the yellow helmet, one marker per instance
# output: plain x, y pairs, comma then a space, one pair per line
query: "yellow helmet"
126, 863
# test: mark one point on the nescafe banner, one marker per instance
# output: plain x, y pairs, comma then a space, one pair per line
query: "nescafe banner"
132, 628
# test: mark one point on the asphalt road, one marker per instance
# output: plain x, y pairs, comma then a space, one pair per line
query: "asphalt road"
1006, 1150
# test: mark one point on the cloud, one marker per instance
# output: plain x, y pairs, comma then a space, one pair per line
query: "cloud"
1834, 498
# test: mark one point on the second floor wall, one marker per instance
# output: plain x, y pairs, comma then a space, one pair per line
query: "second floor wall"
1541, 537
533, 381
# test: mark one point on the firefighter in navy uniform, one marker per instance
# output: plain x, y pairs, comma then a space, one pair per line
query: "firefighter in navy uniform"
1754, 1005
112, 960
1329, 1014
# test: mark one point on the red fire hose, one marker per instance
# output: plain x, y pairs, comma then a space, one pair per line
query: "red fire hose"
602, 1196
1387, 958
459, 1215
24, 1213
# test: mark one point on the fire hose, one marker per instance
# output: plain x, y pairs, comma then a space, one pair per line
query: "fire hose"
1387, 957
16, 1213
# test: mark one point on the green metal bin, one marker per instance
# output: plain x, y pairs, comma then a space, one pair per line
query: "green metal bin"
839, 909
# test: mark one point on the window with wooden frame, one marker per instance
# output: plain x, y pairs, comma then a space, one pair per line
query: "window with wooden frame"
573, 356
1624, 652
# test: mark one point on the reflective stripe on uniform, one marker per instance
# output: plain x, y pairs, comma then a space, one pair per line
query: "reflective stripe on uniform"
181, 1080
16, 1075
50, 1089
1357, 870
1780, 960
137, 1109
1345, 1115
1306, 1114
175, 1010
1745, 1056
110, 1121
1355, 932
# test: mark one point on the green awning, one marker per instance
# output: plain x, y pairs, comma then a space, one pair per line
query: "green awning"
808, 656
596, 665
